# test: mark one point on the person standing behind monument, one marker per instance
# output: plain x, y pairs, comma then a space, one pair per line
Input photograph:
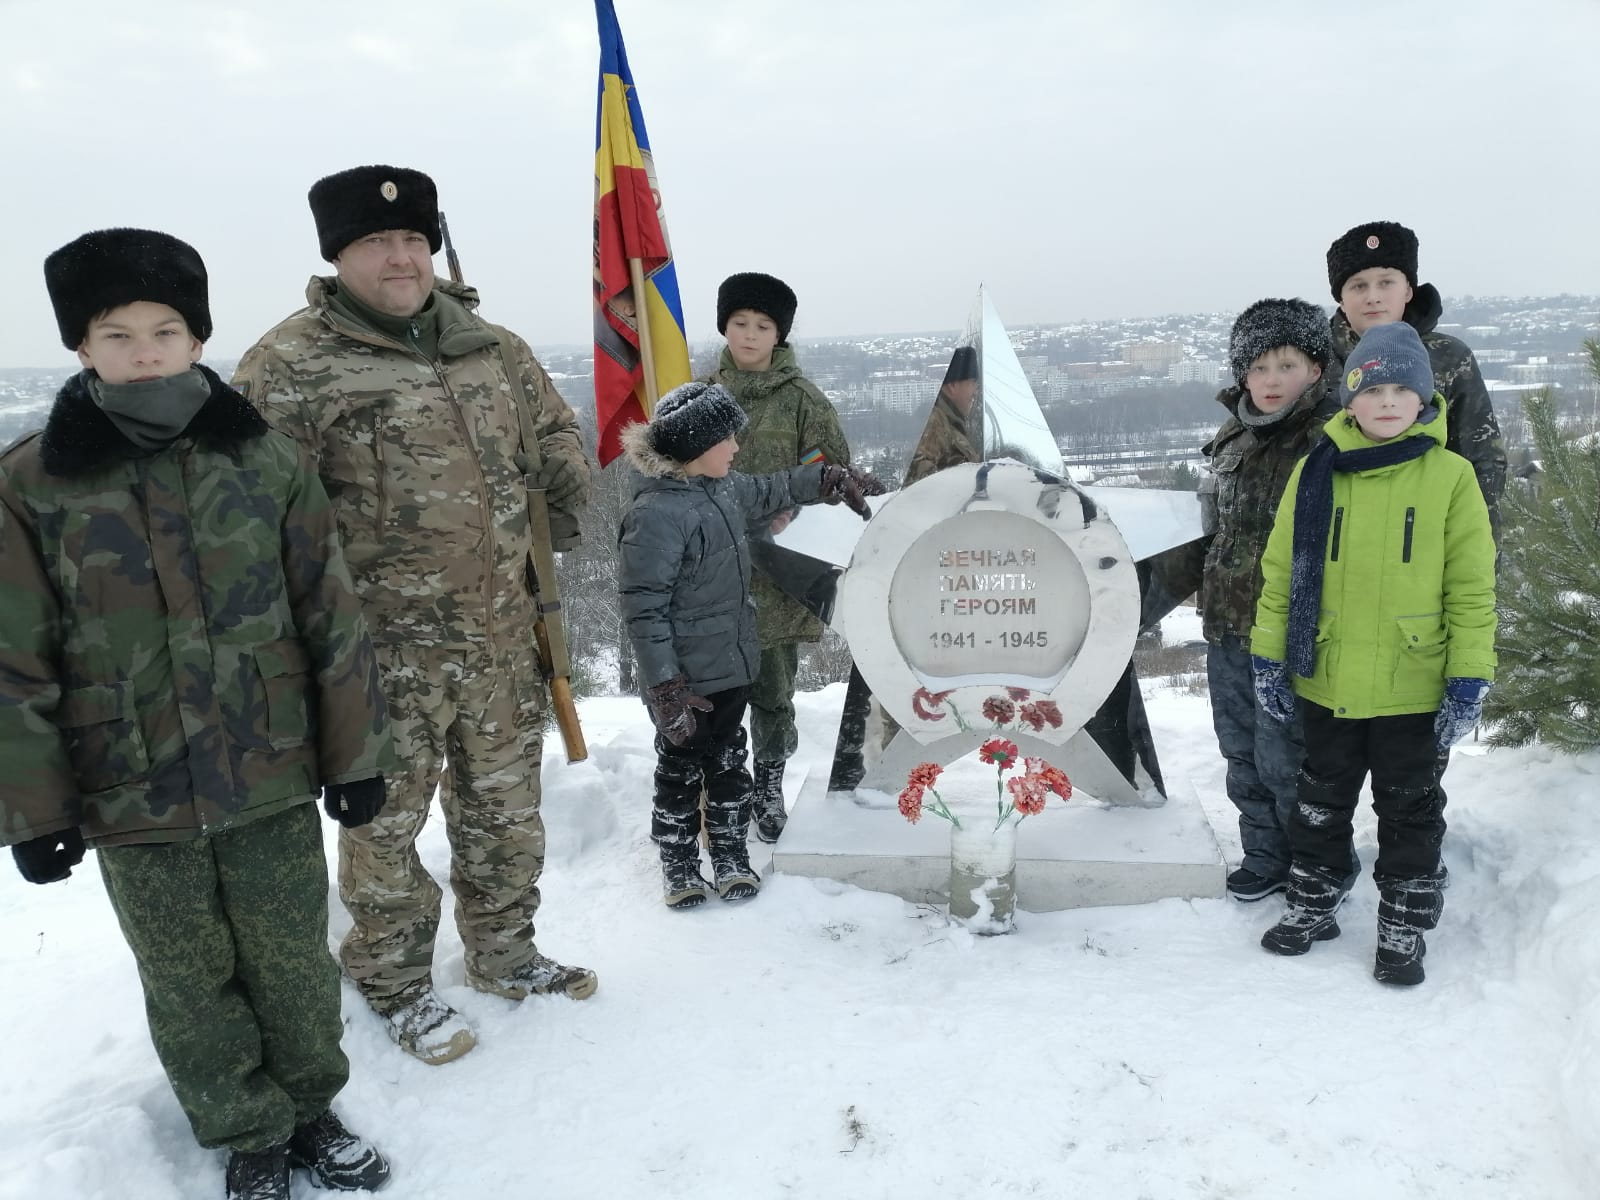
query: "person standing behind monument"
954, 433
684, 580
409, 402
183, 668
1376, 621
791, 424
1372, 270
1285, 389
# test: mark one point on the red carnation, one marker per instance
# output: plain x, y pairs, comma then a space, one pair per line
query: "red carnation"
924, 775
999, 752
1018, 693
923, 702
911, 803
1027, 796
1041, 713
999, 710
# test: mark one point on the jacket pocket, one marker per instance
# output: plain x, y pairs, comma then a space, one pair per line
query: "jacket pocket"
104, 742
285, 671
1419, 661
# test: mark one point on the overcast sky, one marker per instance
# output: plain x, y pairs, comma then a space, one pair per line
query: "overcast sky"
1084, 158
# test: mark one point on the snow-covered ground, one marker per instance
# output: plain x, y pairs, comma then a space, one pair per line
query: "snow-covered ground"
824, 1041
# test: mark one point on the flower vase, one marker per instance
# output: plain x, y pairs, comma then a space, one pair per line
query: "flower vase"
983, 876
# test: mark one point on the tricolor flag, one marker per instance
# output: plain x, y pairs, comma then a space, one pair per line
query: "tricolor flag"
628, 225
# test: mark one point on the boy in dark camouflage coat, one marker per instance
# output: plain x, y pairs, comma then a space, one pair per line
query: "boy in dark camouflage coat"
791, 423
183, 667
1284, 392
1372, 270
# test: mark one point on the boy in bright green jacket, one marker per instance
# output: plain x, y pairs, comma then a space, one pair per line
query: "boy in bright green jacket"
1377, 613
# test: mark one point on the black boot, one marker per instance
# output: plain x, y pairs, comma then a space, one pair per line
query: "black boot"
682, 885
259, 1174
731, 869
770, 816
1406, 907
338, 1158
1308, 917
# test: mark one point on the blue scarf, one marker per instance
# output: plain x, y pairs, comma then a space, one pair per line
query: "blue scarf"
1313, 514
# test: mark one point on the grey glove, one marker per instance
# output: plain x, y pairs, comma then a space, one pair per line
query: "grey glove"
562, 479
673, 706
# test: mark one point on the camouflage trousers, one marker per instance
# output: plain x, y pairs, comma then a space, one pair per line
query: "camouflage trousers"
483, 715
230, 933
772, 703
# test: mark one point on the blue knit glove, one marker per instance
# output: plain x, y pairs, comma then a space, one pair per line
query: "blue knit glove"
1272, 688
1459, 711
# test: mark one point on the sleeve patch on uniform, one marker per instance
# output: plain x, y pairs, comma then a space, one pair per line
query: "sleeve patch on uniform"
814, 455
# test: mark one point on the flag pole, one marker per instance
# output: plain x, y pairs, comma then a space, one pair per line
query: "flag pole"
647, 354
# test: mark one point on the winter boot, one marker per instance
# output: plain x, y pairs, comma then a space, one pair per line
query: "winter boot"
338, 1158
425, 1027
682, 885
1406, 907
1246, 886
259, 1174
1308, 917
770, 816
730, 867
539, 976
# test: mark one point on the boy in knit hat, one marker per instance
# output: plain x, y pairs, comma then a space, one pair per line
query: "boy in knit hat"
1372, 270
183, 668
1376, 623
684, 580
791, 422
1284, 391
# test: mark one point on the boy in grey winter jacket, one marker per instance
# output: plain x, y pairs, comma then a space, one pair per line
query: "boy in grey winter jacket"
684, 579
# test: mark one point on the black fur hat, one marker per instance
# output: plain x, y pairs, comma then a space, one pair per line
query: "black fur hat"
692, 418
1375, 244
363, 200
963, 365
111, 267
1268, 324
763, 293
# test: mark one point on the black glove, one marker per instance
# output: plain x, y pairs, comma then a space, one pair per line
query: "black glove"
49, 858
562, 479
354, 803
672, 707
850, 484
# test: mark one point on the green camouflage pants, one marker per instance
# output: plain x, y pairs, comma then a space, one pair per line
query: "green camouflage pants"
485, 716
231, 936
772, 733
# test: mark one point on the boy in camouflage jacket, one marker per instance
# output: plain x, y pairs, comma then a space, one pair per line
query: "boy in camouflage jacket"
1284, 392
183, 667
791, 423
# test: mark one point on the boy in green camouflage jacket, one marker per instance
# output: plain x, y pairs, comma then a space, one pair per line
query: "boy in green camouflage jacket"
183, 667
791, 423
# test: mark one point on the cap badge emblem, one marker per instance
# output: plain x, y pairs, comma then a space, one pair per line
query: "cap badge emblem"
388, 191
1372, 239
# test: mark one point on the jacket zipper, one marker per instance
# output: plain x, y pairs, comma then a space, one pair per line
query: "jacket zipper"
483, 504
1338, 525
1411, 522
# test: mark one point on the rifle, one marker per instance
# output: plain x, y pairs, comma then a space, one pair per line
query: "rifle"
549, 634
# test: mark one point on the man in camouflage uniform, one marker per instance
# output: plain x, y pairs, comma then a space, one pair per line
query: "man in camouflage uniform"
954, 432
791, 423
183, 666
1372, 270
409, 402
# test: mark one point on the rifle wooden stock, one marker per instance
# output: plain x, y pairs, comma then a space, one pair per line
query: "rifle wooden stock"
549, 638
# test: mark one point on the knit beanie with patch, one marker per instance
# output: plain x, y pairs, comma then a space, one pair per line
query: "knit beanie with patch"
1391, 353
760, 293
112, 267
363, 200
1269, 324
692, 418
1375, 244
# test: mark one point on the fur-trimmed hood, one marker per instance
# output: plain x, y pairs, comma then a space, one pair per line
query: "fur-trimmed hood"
645, 458
79, 439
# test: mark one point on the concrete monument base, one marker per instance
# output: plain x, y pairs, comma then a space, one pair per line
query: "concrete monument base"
1081, 854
